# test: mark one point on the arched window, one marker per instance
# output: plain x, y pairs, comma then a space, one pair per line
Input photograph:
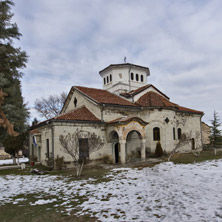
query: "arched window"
110, 78
75, 101
137, 77
156, 134
107, 79
179, 133
193, 144
104, 81
141, 78
132, 76
174, 133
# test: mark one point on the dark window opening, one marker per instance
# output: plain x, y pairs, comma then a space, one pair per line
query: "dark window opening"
174, 133
167, 120
141, 78
107, 79
116, 153
132, 76
104, 81
137, 77
47, 148
110, 78
75, 101
179, 133
156, 134
83, 149
193, 144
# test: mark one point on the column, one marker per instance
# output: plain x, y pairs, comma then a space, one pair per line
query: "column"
143, 149
122, 151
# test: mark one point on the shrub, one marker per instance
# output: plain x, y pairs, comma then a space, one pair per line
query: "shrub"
59, 162
159, 150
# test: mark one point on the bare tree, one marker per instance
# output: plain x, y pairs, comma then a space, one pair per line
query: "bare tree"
70, 145
186, 141
4, 122
48, 108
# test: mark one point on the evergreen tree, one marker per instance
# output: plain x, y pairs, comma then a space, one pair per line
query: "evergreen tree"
215, 137
12, 60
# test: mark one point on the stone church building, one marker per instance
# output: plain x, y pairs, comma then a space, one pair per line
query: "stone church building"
128, 115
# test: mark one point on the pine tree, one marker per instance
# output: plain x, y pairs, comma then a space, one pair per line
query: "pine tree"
215, 137
12, 60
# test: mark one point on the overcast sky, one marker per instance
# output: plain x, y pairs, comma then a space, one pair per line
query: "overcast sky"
70, 41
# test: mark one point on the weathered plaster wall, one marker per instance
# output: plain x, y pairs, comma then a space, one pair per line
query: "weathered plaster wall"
65, 128
83, 101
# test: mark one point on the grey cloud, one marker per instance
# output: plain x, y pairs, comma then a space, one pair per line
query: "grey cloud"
70, 41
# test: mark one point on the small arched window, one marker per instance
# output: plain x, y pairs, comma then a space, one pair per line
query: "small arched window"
193, 143
132, 76
141, 78
137, 77
104, 80
107, 79
174, 133
110, 78
75, 102
179, 133
156, 134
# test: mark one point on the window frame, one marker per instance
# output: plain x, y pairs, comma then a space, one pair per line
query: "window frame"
47, 148
137, 77
156, 134
141, 78
132, 76
174, 133
179, 133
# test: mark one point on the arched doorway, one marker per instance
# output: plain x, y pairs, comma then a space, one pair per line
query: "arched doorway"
133, 146
115, 146
116, 153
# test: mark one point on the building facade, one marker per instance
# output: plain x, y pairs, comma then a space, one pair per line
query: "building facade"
128, 116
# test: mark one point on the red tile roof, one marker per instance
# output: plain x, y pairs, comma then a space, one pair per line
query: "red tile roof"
82, 114
152, 99
126, 119
126, 65
184, 109
34, 131
135, 92
103, 96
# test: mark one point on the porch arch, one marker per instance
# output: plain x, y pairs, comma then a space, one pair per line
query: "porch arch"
113, 139
135, 146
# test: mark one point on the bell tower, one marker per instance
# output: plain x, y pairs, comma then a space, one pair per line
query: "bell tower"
122, 78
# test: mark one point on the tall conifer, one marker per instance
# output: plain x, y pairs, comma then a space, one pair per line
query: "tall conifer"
12, 60
215, 137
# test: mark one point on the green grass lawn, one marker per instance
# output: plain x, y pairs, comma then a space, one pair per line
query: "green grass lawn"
191, 158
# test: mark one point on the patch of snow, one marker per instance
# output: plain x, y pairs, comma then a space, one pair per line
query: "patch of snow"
166, 192
10, 161
42, 202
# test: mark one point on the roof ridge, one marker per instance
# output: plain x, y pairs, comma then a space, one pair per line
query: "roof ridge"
107, 97
73, 110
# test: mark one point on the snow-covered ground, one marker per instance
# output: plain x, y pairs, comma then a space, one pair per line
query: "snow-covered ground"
166, 192
10, 161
